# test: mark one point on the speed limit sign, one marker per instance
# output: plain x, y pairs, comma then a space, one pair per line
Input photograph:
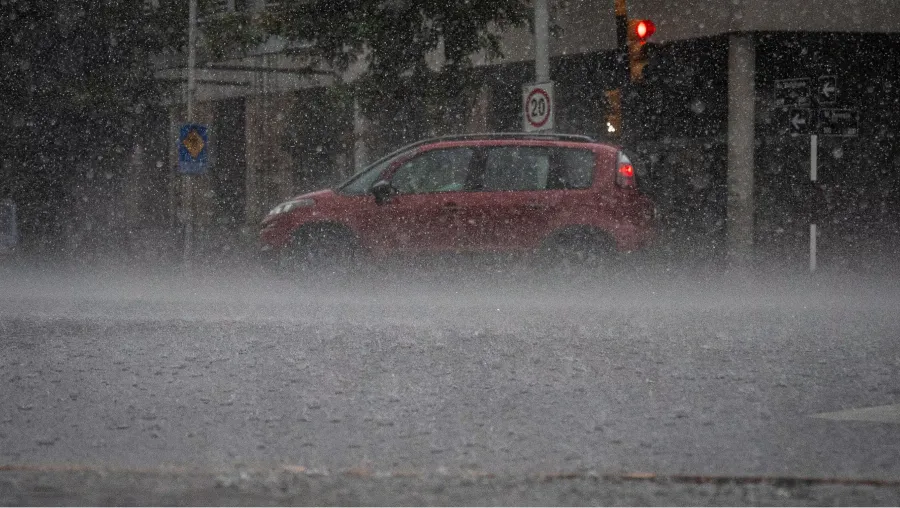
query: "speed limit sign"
538, 107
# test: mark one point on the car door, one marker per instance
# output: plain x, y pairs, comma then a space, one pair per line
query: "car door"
422, 215
515, 206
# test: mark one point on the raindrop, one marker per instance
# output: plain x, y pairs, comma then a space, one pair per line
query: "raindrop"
698, 106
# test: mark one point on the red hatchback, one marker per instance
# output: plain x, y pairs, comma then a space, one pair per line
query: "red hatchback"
480, 193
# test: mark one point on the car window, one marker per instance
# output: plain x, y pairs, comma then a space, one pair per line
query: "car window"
439, 170
575, 168
510, 168
538, 168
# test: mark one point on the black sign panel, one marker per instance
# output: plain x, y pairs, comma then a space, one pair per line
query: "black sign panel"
792, 92
799, 121
839, 122
827, 92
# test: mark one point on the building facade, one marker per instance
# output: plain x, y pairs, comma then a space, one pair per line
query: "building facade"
736, 98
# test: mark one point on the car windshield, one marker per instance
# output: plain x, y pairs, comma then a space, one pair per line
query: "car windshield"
216, 289
361, 182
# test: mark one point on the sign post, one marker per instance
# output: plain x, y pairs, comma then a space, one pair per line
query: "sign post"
538, 99
537, 107
191, 141
813, 176
193, 159
810, 106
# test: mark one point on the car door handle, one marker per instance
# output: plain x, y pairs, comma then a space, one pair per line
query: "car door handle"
536, 206
451, 207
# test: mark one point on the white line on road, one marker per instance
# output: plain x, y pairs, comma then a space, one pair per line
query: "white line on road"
883, 414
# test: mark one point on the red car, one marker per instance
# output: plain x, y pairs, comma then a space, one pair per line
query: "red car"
569, 195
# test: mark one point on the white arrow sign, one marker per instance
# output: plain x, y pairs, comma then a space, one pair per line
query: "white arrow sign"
799, 121
828, 89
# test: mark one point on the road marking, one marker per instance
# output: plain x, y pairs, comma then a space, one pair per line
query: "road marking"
245, 472
883, 414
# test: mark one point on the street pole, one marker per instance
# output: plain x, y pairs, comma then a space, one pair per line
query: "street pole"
541, 41
813, 177
615, 116
191, 88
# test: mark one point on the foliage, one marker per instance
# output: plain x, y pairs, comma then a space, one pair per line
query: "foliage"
414, 52
78, 90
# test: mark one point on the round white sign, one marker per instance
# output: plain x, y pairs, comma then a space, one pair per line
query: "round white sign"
538, 107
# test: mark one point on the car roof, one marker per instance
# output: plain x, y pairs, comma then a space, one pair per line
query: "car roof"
496, 138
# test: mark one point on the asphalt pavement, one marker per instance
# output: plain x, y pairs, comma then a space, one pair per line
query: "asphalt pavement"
238, 387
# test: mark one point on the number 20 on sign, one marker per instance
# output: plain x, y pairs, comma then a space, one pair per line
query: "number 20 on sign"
538, 107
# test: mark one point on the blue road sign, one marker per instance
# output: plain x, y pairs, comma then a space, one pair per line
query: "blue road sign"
193, 149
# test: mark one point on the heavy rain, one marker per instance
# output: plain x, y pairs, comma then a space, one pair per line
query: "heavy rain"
504, 252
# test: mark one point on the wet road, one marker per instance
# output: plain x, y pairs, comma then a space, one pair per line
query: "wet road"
451, 377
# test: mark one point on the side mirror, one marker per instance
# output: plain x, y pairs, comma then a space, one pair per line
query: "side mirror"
383, 190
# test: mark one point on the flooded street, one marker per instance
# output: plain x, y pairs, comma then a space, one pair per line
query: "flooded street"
505, 378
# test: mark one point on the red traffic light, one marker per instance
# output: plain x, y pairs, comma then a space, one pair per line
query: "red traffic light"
644, 28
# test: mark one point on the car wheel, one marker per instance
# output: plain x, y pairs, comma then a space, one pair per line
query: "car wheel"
579, 251
322, 251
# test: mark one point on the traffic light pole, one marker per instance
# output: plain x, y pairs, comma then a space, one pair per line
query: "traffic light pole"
615, 118
623, 69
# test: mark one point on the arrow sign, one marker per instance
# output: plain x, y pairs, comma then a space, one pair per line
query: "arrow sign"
799, 121
828, 90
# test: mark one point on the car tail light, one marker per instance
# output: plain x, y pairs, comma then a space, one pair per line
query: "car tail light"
625, 173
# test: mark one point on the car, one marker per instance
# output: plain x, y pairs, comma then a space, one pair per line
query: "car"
571, 196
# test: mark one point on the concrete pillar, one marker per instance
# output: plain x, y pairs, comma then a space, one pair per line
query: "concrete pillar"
741, 138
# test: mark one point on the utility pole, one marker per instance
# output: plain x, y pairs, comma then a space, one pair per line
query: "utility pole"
541, 41
191, 89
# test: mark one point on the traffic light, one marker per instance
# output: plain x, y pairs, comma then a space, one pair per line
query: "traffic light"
639, 32
643, 29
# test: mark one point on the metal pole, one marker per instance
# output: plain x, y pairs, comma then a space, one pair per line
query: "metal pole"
192, 59
191, 88
813, 176
623, 63
812, 247
541, 41
616, 121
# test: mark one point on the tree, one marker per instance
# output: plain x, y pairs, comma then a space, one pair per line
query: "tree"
416, 53
78, 91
